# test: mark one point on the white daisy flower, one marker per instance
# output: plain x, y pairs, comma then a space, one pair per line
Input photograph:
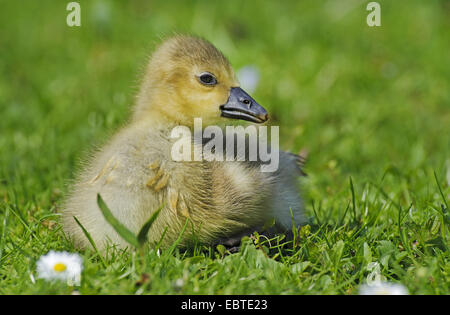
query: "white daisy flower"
383, 288
60, 266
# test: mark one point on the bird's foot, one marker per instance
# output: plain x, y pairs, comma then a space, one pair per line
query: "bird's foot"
233, 242
160, 179
177, 203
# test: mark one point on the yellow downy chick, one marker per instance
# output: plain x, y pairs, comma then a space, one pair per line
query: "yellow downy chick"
186, 78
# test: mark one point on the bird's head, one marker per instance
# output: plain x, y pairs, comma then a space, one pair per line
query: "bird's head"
187, 78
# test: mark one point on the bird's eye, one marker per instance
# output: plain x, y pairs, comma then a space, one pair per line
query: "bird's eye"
207, 78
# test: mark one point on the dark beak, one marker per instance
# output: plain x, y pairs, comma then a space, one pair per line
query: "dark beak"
240, 105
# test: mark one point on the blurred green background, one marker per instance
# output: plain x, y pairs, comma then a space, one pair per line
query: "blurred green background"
372, 103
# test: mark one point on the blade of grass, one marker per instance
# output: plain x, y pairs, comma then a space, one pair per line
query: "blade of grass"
91, 241
343, 217
158, 245
125, 233
178, 240
315, 213
353, 199
142, 235
440, 190
2, 240
294, 230
25, 225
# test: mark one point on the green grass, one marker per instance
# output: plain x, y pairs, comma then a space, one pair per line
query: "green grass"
370, 105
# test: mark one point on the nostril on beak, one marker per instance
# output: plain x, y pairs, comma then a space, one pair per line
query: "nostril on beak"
246, 102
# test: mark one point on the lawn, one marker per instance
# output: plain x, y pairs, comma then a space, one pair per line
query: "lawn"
370, 105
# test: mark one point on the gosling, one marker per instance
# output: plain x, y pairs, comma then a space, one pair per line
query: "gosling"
186, 78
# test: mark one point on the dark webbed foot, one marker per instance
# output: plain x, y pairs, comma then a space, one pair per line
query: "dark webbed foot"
232, 243
234, 240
